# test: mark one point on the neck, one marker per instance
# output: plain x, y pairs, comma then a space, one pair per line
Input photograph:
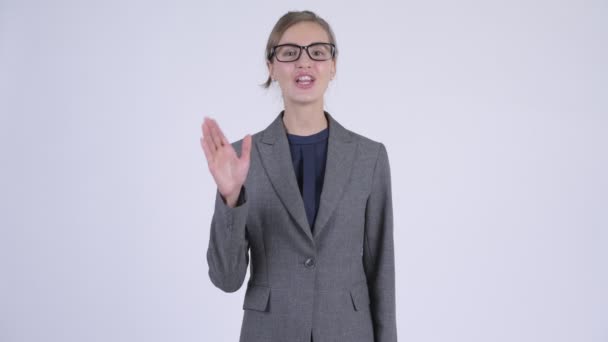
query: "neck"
304, 120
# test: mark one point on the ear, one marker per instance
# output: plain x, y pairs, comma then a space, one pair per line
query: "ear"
270, 69
333, 68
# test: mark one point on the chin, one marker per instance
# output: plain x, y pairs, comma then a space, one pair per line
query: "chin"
303, 100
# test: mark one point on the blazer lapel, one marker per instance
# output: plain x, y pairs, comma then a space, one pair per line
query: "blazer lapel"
276, 159
341, 150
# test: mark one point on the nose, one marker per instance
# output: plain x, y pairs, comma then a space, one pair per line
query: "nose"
304, 60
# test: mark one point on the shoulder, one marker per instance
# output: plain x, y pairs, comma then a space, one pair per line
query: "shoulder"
238, 143
369, 147
375, 157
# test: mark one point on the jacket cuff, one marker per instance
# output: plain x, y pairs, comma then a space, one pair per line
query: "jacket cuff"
234, 219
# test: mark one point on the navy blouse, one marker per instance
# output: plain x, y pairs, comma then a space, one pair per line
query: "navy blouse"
309, 154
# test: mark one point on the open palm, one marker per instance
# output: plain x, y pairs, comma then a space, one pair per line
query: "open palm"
228, 170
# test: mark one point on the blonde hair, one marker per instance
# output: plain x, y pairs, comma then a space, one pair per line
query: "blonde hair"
286, 21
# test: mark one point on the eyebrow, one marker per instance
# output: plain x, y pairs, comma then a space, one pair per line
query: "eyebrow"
292, 43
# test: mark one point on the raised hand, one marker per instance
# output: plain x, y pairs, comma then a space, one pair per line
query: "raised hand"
228, 170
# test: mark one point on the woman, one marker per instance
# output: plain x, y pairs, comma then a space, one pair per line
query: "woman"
312, 202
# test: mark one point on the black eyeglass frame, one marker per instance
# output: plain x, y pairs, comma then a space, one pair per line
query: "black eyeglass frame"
273, 49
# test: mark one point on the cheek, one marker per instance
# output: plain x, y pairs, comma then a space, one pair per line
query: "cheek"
283, 71
325, 70
324, 73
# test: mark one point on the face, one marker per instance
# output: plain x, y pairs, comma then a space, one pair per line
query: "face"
286, 74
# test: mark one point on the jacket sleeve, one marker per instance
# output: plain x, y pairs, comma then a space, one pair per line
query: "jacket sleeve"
378, 251
227, 253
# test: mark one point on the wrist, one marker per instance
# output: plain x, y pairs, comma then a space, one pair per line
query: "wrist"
232, 198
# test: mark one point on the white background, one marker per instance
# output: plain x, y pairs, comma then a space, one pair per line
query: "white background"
494, 115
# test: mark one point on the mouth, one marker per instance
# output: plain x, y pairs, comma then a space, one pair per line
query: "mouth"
305, 81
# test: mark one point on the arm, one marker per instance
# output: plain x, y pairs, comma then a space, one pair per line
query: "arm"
227, 254
378, 251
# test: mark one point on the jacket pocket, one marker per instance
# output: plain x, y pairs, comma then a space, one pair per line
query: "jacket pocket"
256, 297
360, 296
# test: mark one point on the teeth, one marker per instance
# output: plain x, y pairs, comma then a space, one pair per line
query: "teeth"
304, 79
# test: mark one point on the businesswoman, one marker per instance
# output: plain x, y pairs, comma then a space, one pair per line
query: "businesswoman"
310, 201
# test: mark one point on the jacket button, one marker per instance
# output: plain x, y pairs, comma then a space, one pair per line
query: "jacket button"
310, 262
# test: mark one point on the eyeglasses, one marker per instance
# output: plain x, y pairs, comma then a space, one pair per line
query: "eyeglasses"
292, 52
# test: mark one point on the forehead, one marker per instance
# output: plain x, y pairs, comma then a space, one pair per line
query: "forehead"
304, 33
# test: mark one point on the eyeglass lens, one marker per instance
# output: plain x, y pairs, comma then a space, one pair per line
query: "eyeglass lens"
290, 53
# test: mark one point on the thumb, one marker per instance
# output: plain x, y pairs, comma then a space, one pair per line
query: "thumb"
246, 148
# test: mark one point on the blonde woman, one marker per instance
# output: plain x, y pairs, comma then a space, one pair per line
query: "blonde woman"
311, 201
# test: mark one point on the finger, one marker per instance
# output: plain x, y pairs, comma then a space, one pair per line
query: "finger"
206, 121
221, 134
203, 125
207, 151
207, 136
214, 134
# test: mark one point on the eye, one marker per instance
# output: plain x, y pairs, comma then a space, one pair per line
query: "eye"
321, 51
288, 51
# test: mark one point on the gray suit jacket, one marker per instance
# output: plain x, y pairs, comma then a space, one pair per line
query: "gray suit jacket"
337, 284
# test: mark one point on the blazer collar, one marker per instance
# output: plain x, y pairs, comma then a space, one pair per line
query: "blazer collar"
276, 159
